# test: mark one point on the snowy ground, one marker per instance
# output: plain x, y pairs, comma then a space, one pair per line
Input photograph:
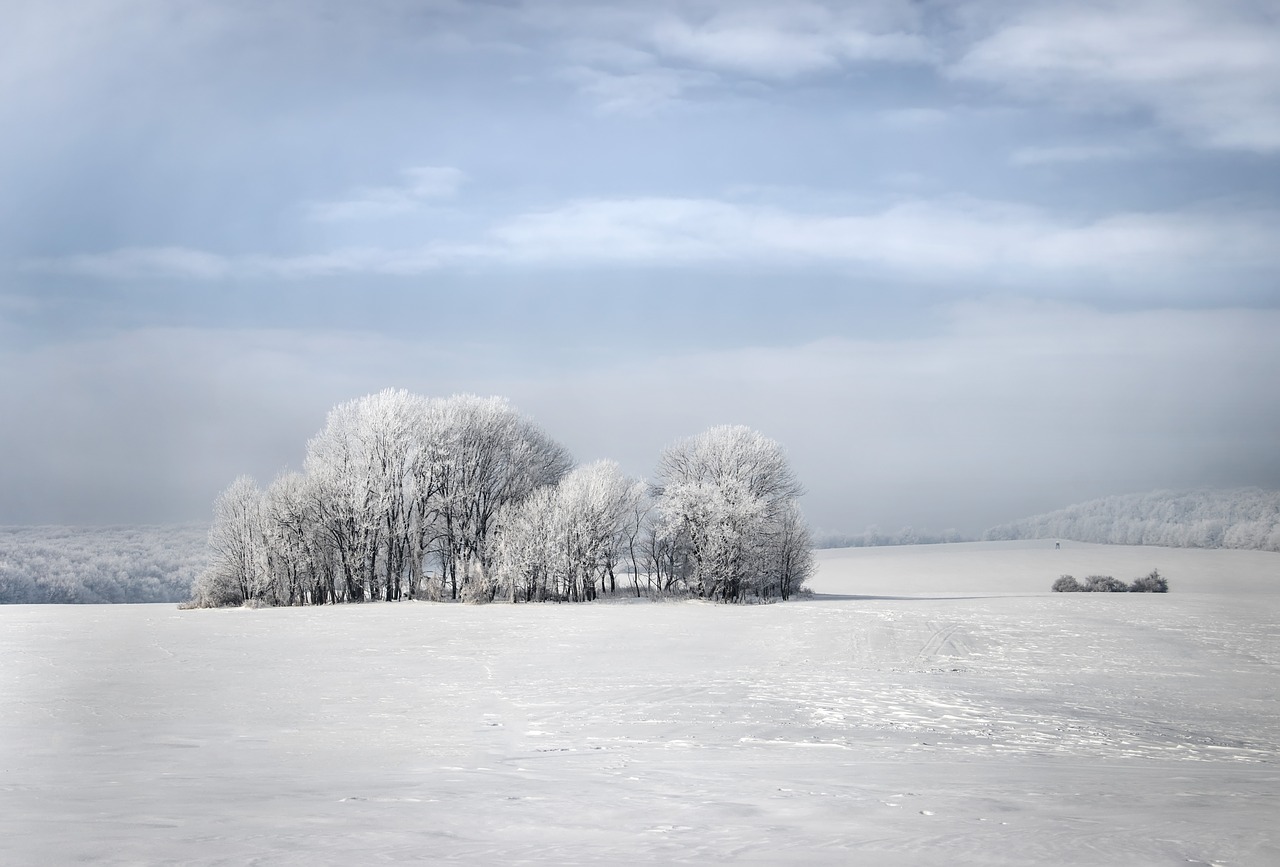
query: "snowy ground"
935, 706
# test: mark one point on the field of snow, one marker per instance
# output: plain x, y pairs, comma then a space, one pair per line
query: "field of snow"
932, 705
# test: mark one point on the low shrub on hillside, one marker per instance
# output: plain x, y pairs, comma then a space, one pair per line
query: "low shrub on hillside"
1104, 584
1152, 583
1067, 584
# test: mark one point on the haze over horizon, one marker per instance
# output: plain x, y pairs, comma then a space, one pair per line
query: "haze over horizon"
966, 264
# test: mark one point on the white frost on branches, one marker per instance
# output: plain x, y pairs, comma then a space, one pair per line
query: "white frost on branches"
407, 497
727, 508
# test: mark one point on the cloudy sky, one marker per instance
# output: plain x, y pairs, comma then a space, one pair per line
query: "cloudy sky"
966, 261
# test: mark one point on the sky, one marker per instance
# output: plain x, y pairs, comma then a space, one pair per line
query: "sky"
966, 262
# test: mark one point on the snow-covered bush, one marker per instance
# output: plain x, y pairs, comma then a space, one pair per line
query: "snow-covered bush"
215, 589
1067, 584
1151, 583
1104, 584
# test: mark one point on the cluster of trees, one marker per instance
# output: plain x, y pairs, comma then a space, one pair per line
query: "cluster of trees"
405, 497
1153, 582
45, 564
1238, 518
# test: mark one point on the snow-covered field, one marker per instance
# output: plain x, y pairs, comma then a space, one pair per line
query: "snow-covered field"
933, 705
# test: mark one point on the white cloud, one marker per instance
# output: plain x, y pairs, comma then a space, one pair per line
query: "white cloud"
422, 184
999, 243
1210, 71
918, 237
637, 57
780, 41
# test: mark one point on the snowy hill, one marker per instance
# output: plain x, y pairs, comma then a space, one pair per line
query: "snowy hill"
1238, 518
149, 563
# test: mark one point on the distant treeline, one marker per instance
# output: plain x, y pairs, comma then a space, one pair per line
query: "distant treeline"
101, 564
1238, 518
873, 537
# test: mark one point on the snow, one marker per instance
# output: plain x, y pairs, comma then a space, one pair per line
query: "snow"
932, 705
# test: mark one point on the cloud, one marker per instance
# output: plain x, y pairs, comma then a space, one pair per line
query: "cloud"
952, 242
422, 185
780, 41
913, 118
936, 239
1210, 72
1035, 156
133, 263
636, 58
640, 91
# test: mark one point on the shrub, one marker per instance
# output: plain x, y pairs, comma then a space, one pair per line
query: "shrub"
1104, 584
1067, 584
478, 588
1152, 583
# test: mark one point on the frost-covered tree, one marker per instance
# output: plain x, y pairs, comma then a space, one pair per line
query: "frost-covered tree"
361, 462
464, 497
237, 556
58, 564
483, 456
299, 551
789, 552
1239, 518
724, 498
395, 488
564, 540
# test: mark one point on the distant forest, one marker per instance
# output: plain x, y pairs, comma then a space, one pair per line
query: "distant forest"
1236, 518
101, 564
874, 537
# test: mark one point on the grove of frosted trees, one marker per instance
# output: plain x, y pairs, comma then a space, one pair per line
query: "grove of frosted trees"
1237, 518
408, 497
53, 564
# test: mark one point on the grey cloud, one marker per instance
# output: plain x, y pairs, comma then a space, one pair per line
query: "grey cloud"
651, 181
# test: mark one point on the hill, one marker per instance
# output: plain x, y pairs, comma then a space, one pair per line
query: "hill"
1247, 518
149, 563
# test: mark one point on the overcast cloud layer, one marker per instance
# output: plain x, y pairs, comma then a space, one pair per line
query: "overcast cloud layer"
965, 263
